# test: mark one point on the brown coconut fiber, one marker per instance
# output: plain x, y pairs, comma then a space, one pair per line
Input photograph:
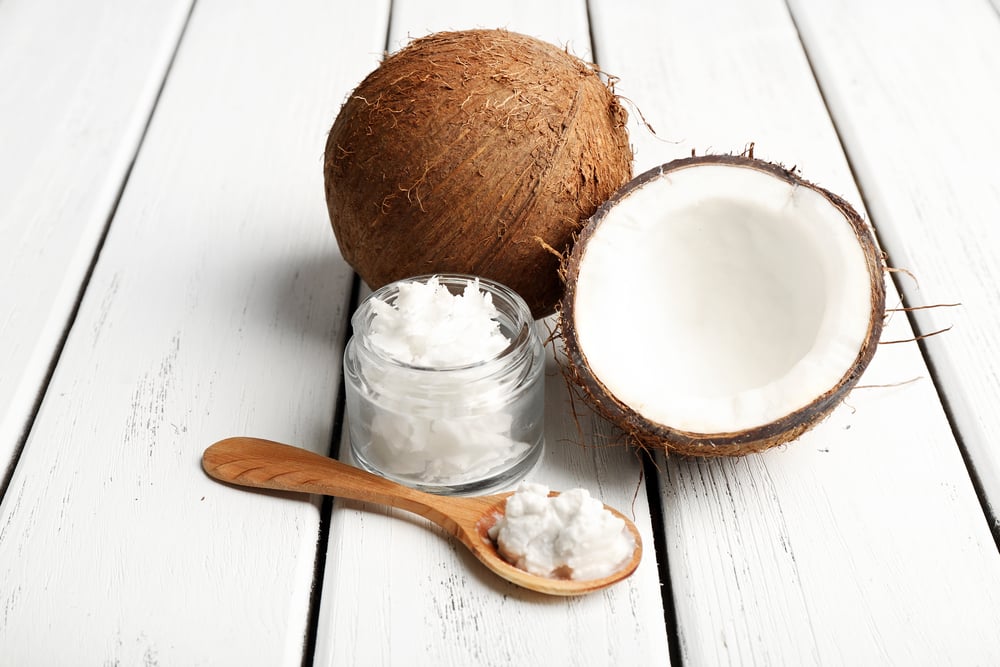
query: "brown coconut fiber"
476, 152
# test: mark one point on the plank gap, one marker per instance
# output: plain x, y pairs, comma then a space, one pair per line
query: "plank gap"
992, 518
651, 472
85, 282
336, 437
590, 33
326, 506
319, 565
386, 45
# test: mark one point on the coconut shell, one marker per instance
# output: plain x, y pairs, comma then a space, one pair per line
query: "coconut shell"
644, 433
479, 152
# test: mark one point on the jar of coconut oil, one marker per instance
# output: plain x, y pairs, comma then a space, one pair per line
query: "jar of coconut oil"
444, 384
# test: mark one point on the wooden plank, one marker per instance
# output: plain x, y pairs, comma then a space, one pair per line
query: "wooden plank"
77, 84
863, 542
397, 592
921, 131
563, 22
217, 308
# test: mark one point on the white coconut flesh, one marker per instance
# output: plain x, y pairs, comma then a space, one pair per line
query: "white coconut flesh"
718, 298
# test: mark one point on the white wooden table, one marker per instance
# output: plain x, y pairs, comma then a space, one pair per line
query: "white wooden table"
168, 277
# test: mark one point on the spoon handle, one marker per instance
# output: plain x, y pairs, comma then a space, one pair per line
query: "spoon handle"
272, 465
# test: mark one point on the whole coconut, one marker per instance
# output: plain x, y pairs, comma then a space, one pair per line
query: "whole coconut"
479, 152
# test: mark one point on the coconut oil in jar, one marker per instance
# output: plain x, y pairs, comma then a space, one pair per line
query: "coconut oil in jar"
444, 384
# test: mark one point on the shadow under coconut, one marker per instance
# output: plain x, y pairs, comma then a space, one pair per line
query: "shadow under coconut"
310, 296
579, 443
304, 297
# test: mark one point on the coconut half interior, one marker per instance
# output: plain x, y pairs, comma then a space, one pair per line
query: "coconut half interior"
718, 298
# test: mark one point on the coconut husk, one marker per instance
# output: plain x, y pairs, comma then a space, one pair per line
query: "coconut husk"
476, 152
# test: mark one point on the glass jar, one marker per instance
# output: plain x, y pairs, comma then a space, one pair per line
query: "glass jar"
450, 430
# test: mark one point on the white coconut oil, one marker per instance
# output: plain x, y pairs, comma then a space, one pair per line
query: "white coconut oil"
568, 536
444, 384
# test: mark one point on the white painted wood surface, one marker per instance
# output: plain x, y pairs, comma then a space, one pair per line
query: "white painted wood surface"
217, 308
863, 542
77, 84
396, 592
918, 114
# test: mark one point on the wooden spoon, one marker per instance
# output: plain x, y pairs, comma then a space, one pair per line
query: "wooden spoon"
271, 465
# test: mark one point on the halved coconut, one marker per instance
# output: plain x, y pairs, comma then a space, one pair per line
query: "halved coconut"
721, 305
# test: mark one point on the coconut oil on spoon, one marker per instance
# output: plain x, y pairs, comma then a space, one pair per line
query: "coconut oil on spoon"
270, 465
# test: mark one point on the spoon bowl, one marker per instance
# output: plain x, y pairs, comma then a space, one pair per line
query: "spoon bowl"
265, 464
